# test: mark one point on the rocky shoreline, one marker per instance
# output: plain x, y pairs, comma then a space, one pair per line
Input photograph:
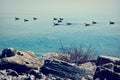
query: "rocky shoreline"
24, 65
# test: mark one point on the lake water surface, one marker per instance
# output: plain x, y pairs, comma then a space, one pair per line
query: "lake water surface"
41, 36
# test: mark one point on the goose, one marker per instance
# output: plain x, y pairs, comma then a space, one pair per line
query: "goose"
25, 20
59, 21
112, 22
93, 22
69, 23
61, 18
34, 18
54, 18
56, 24
87, 24
16, 18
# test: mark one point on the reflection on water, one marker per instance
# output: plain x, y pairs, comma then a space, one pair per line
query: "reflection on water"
40, 35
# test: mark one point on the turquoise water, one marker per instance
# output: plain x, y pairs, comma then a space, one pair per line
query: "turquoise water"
41, 36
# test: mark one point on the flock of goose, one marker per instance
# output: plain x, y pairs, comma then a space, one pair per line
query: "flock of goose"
60, 20
25, 20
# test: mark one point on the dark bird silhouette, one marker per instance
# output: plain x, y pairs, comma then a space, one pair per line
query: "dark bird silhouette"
25, 20
61, 18
34, 18
93, 22
59, 21
86, 24
54, 18
69, 23
55, 24
16, 18
111, 22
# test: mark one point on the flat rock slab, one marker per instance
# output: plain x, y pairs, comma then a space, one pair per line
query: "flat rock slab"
62, 69
21, 61
107, 59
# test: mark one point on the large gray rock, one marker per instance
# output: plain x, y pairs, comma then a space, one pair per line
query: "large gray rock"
12, 75
22, 61
2, 74
89, 69
12, 72
107, 59
108, 68
36, 73
8, 52
105, 73
117, 68
62, 69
